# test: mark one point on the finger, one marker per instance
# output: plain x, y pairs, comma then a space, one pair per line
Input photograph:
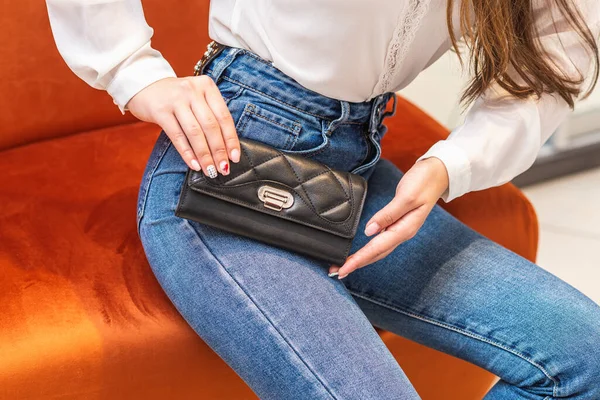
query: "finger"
170, 125
195, 135
333, 268
367, 254
212, 133
392, 212
385, 242
219, 108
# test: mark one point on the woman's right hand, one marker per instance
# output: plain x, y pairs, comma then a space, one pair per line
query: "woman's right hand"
193, 113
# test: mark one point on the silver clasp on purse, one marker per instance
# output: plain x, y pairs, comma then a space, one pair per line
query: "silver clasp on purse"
274, 198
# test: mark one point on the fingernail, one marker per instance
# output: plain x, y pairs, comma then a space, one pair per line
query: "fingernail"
342, 276
212, 171
235, 155
195, 165
332, 274
224, 167
372, 228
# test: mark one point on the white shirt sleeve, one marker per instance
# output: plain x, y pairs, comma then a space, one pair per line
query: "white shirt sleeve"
501, 135
107, 44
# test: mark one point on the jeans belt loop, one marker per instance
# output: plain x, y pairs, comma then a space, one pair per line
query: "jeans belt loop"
378, 112
223, 61
374, 116
394, 96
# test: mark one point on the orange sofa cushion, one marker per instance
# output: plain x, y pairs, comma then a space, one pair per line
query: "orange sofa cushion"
40, 98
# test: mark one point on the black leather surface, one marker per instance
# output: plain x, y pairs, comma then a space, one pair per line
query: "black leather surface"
321, 222
326, 199
263, 227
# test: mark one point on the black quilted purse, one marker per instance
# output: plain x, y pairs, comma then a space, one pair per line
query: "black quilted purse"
278, 198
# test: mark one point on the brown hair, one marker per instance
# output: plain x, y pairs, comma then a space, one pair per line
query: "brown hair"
503, 36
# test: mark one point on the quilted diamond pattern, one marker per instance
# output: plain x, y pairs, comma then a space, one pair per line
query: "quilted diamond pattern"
324, 198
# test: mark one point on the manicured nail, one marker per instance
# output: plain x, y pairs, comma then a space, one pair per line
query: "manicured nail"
342, 276
235, 155
332, 274
212, 171
195, 165
372, 228
224, 167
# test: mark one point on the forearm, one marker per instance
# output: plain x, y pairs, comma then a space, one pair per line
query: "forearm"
107, 45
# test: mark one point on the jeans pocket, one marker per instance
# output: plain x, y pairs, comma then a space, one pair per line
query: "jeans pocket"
259, 123
262, 118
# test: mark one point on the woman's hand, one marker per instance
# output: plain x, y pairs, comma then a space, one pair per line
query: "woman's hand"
193, 113
416, 194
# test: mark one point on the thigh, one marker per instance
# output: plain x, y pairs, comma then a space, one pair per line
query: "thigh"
274, 316
452, 289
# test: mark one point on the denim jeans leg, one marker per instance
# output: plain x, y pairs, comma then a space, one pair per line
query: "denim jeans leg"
156, 154
456, 291
272, 315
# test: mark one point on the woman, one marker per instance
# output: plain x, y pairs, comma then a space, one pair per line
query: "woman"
313, 77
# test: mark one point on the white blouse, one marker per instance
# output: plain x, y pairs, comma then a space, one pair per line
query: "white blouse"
351, 50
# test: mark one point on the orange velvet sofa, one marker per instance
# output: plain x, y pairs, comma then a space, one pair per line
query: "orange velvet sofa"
81, 314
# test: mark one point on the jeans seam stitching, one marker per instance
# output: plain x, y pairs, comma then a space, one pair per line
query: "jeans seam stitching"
362, 162
312, 152
289, 132
257, 57
283, 102
234, 96
292, 131
376, 157
142, 210
197, 235
463, 332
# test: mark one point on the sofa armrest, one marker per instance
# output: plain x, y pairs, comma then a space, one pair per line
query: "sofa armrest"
503, 214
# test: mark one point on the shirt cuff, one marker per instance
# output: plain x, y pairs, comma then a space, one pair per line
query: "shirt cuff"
457, 164
132, 78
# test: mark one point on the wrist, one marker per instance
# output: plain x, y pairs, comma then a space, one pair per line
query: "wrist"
438, 174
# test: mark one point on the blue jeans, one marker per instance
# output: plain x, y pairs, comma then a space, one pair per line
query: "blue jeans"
291, 332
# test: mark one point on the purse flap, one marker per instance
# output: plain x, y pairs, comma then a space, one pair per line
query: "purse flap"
288, 186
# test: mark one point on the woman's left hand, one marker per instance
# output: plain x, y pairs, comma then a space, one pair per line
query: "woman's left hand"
416, 194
